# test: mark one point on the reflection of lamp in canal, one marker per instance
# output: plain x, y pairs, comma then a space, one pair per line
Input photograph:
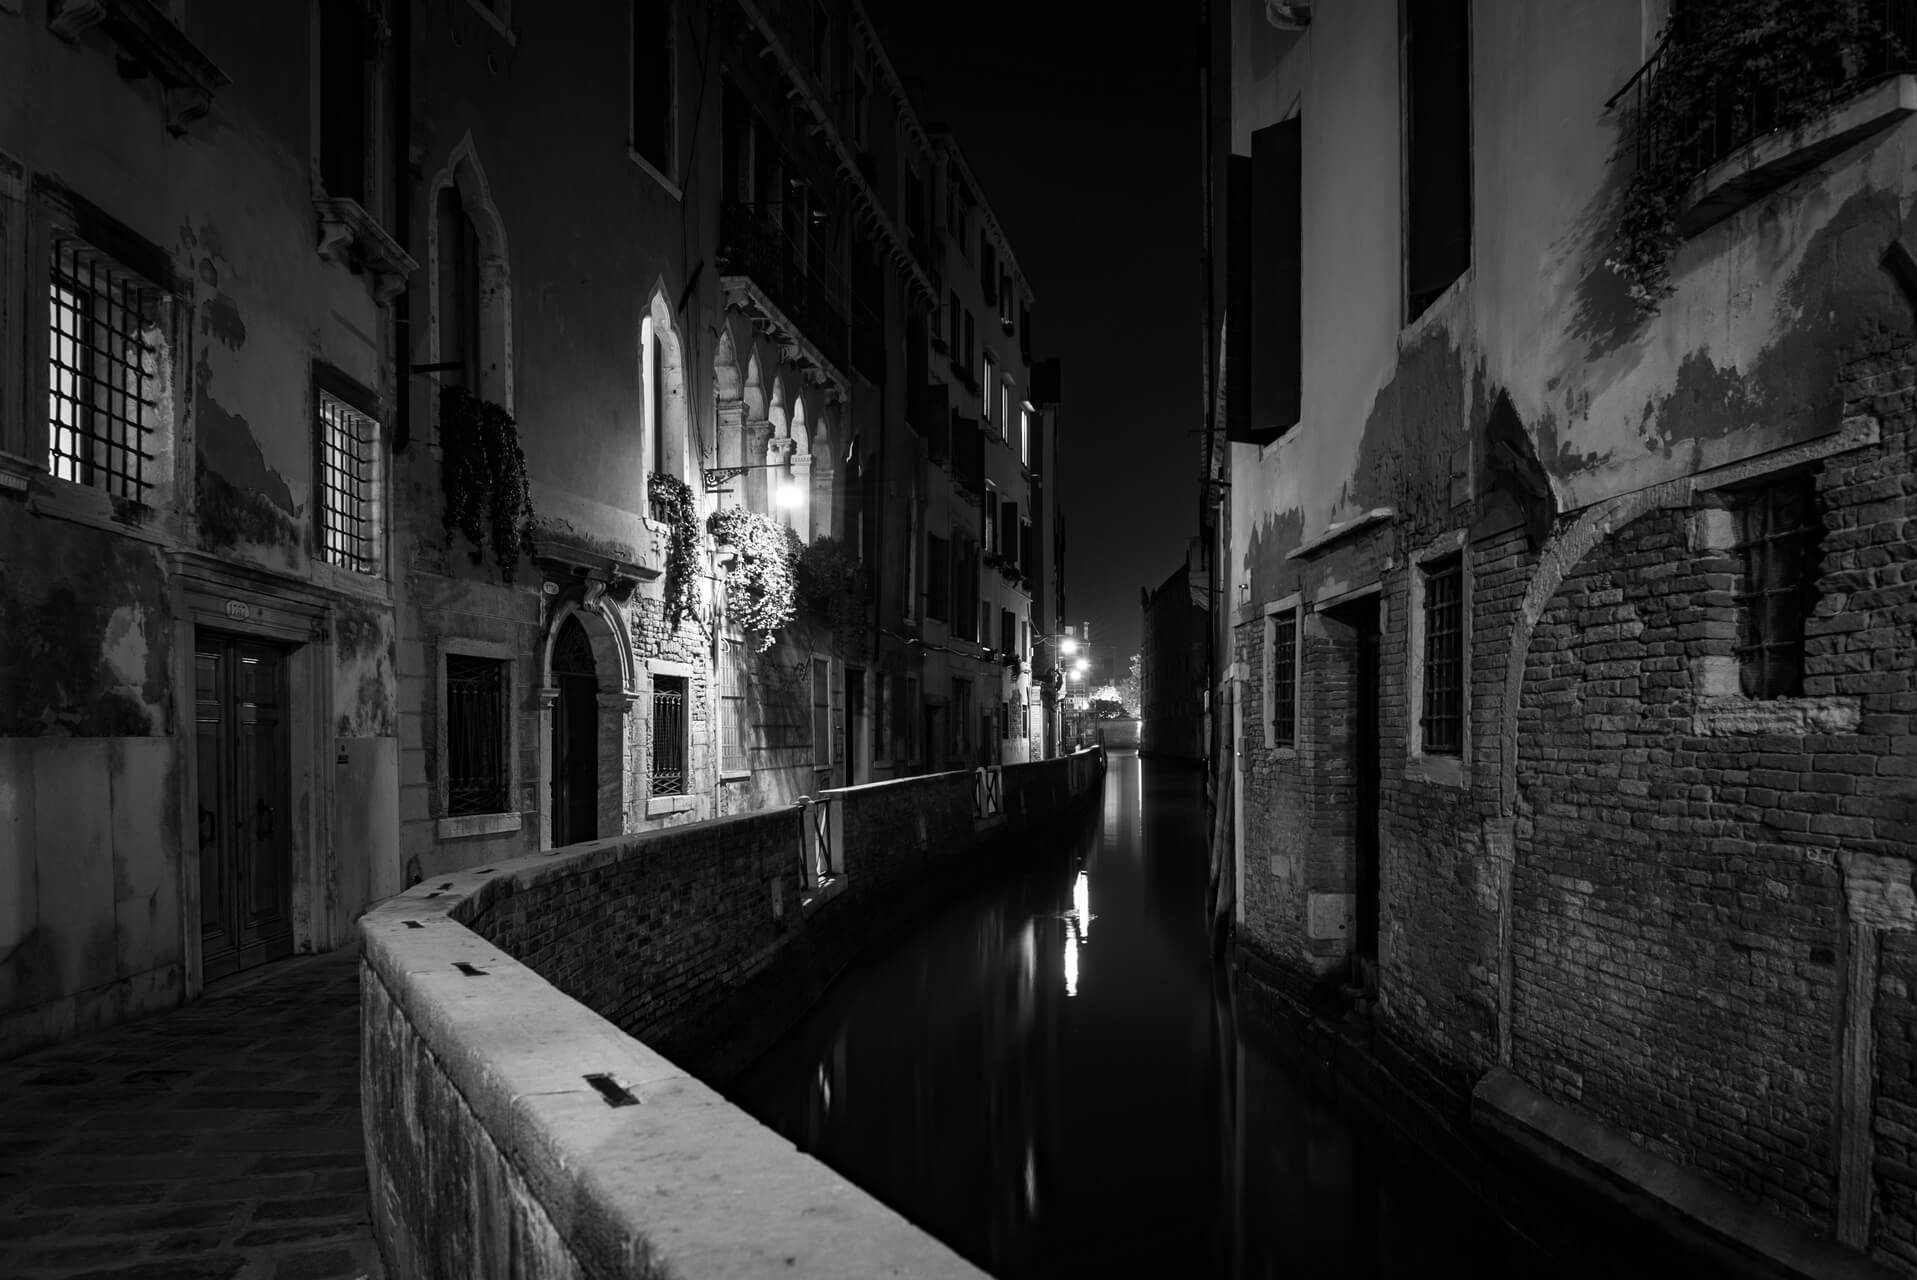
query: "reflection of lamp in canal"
1080, 919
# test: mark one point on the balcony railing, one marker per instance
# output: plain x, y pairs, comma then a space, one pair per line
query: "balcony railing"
1746, 101
797, 274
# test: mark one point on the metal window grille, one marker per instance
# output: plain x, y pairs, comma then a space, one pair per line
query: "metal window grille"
1779, 532
668, 735
1443, 719
1284, 679
104, 342
349, 493
732, 707
476, 770
821, 711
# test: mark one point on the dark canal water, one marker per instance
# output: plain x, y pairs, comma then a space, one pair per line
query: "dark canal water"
1047, 1076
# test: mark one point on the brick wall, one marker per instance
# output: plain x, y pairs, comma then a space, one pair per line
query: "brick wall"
695, 938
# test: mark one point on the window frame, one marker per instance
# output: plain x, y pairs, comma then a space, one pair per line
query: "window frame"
330, 383
1445, 767
1292, 608
1745, 501
1412, 313
734, 682
52, 212
448, 826
667, 177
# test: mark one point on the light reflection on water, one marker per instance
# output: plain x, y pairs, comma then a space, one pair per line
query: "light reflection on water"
1052, 1109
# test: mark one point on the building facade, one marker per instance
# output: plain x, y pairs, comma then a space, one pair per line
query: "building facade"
1173, 686
367, 387
1567, 566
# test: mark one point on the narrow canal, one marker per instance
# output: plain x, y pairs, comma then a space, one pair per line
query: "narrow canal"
1047, 1076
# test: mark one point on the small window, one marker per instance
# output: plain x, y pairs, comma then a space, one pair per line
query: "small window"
458, 250
1281, 677
349, 486
668, 735
821, 712
1442, 721
732, 705
988, 388
106, 341
1007, 631
909, 713
1004, 411
1025, 437
653, 86
1437, 139
1779, 532
343, 117
991, 518
477, 777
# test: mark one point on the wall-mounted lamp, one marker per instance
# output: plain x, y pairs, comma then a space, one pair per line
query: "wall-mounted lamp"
786, 494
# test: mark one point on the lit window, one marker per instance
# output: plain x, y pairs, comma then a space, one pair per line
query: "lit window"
349, 486
1442, 721
105, 343
986, 386
1778, 535
1025, 436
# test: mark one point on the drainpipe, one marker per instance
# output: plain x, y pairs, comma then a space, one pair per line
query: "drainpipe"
402, 228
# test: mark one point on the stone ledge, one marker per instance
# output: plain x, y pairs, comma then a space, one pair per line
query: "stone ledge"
1733, 715
1508, 1110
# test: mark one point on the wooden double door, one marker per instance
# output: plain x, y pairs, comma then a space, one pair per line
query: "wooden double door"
243, 779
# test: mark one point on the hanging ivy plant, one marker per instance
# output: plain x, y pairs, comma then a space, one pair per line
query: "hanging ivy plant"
1756, 65
482, 471
761, 585
671, 503
833, 586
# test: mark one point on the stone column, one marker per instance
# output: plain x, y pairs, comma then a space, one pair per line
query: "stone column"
800, 517
751, 487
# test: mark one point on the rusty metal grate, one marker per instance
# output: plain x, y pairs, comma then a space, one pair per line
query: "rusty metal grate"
349, 494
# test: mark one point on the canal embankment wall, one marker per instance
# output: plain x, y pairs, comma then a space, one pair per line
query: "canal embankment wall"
538, 1035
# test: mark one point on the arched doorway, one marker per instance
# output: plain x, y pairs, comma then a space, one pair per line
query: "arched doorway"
575, 737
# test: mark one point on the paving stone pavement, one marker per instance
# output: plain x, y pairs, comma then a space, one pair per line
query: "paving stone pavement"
220, 1141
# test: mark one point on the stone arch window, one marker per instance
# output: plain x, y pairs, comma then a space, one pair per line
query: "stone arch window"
586, 729
470, 283
662, 381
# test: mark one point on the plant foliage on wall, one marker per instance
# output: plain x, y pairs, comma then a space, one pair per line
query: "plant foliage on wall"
671, 502
761, 585
483, 473
1750, 65
833, 586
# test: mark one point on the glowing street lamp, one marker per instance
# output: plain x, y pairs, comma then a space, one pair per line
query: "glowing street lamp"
1068, 646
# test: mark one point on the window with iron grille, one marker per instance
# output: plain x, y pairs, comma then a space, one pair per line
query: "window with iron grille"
106, 338
477, 775
732, 705
821, 711
349, 486
668, 735
1779, 531
1442, 721
1281, 676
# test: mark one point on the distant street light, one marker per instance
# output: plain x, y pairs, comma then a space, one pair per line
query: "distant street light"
1068, 646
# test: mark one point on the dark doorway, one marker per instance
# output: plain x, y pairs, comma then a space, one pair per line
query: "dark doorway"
242, 757
1362, 617
855, 771
575, 737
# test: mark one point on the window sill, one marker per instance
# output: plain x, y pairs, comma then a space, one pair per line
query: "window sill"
146, 37
1767, 163
1734, 715
743, 776
811, 900
82, 504
1442, 771
660, 806
476, 824
347, 582
672, 188
353, 238
1438, 313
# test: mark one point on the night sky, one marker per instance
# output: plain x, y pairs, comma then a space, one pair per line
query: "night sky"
1082, 126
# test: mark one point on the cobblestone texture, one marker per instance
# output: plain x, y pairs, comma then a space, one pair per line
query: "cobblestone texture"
221, 1140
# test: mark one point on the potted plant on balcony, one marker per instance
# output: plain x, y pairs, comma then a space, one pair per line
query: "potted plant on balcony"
671, 503
761, 588
482, 472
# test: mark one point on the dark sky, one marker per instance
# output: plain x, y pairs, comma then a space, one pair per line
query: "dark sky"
1082, 126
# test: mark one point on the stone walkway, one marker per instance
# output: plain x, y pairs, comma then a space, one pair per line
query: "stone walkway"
217, 1142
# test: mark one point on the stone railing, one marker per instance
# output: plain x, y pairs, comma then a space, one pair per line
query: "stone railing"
521, 1115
